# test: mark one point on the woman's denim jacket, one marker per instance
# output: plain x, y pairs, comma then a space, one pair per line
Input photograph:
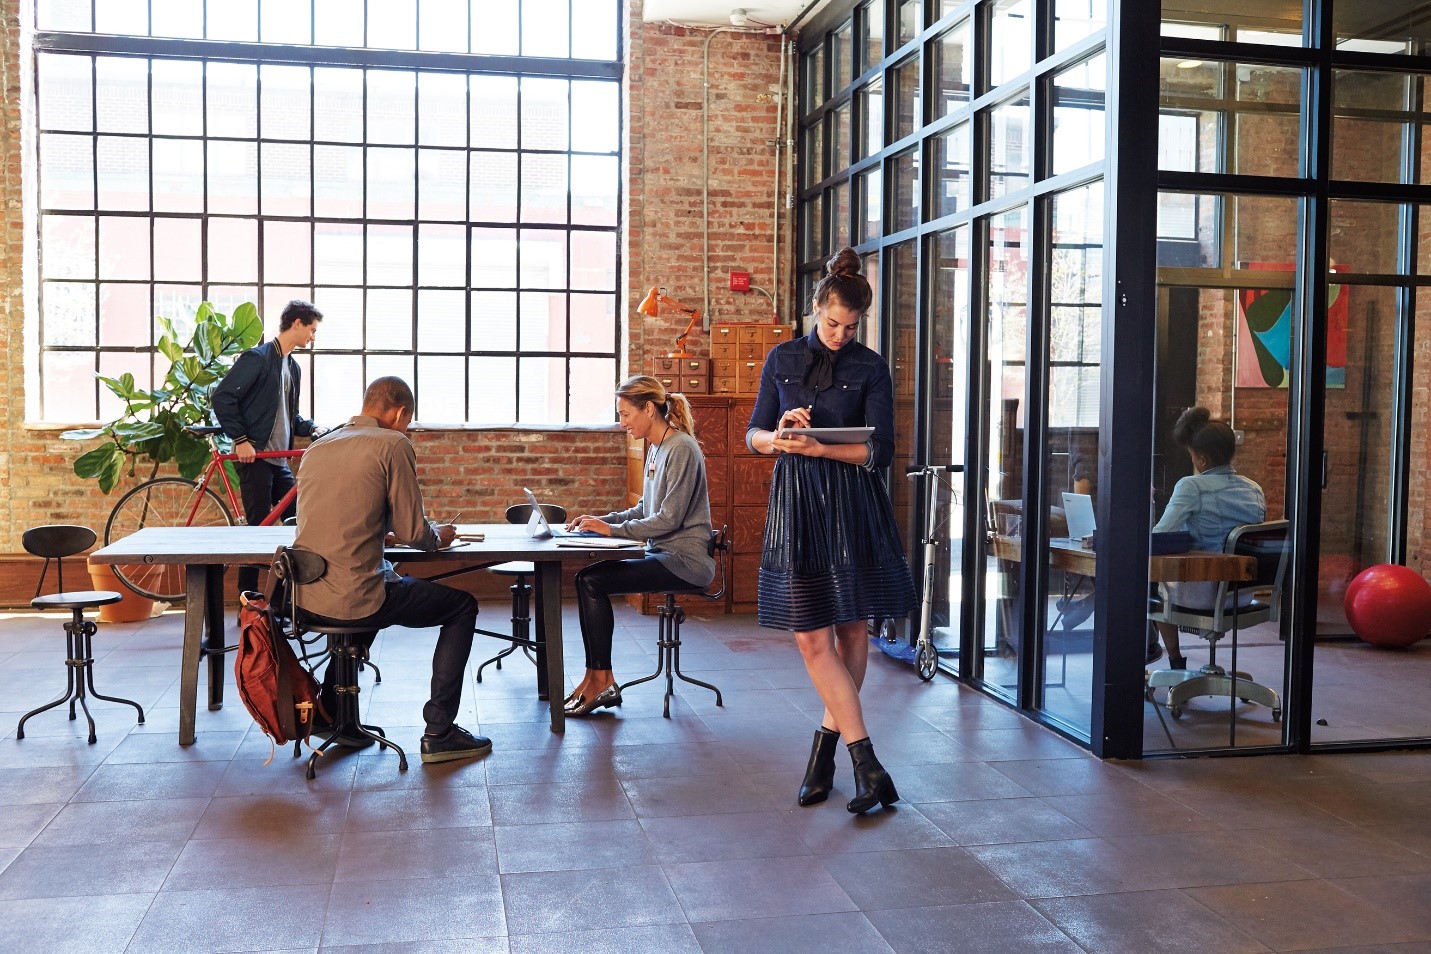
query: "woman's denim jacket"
861, 394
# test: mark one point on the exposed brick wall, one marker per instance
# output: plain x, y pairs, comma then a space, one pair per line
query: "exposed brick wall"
480, 472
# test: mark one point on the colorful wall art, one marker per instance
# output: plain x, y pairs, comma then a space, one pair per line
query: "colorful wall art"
1264, 333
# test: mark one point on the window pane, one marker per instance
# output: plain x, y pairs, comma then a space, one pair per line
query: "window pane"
494, 187
871, 118
542, 321
1078, 117
495, 32
442, 25
543, 258
440, 398
286, 178
1260, 114
1075, 19
178, 98
232, 100
911, 19
814, 84
66, 92
389, 255
544, 188
123, 88
904, 81
389, 320
1249, 23
872, 27
544, 114
69, 316
842, 55
68, 386
952, 67
122, 167
839, 120
66, 171
442, 321
592, 381
178, 250
338, 181
546, 28
233, 177
1363, 237
494, 321
288, 253
594, 184
124, 315
904, 173
1372, 115
233, 250
441, 184
392, 24
840, 210
494, 258
542, 392
594, 28
284, 96
1012, 46
870, 196
442, 256
231, 19
951, 155
284, 21
338, 22
391, 176
593, 322
1008, 153
441, 109
392, 97
67, 246
814, 153
496, 401
338, 105
1380, 27
494, 112
593, 260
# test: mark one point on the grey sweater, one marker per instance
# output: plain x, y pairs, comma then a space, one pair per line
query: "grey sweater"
674, 513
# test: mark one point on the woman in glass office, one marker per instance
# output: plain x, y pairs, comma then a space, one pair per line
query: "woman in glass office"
1208, 504
673, 516
832, 558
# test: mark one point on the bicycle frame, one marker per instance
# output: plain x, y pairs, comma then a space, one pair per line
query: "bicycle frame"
216, 464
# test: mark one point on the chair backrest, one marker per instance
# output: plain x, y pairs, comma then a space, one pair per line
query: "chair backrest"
521, 513
719, 548
295, 568
1266, 543
55, 542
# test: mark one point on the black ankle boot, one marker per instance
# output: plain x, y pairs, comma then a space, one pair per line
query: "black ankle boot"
820, 773
872, 782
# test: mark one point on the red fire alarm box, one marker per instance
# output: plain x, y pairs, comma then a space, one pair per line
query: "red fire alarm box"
740, 281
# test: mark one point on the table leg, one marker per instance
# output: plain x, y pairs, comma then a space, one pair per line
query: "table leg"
548, 594
214, 636
195, 611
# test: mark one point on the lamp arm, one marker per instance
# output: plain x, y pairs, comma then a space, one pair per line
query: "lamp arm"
681, 338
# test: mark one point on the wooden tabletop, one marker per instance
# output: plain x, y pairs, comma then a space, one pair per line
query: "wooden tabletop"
227, 545
1189, 567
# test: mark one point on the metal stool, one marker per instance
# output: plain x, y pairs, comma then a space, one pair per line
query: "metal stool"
521, 590
668, 630
296, 568
56, 543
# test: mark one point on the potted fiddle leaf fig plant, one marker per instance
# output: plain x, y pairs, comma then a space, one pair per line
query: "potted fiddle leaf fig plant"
152, 425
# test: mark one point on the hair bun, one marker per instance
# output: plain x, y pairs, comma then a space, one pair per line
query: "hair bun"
1189, 423
846, 263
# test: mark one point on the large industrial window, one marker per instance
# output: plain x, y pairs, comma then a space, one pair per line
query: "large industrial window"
444, 186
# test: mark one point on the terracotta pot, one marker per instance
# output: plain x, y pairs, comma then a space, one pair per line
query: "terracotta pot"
132, 609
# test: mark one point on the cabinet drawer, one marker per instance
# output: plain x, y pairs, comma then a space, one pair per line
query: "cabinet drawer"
775, 334
722, 332
752, 333
692, 384
745, 579
750, 480
748, 529
751, 350
683, 367
740, 422
725, 349
747, 375
724, 384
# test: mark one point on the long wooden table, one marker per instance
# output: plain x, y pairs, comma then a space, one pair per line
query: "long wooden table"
205, 551
1192, 566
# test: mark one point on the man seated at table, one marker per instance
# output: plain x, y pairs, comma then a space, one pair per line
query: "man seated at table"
358, 485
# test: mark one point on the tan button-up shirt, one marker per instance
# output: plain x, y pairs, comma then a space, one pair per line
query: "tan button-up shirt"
354, 485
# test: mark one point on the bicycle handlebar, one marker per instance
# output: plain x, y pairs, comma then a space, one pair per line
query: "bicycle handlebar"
915, 470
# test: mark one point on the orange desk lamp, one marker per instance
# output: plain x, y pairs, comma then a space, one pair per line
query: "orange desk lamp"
655, 302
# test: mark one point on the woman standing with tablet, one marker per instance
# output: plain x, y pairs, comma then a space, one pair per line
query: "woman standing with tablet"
673, 516
832, 558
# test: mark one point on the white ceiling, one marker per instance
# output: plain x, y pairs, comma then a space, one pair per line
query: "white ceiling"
718, 11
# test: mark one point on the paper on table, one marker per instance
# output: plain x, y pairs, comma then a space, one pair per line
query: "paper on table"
602, 543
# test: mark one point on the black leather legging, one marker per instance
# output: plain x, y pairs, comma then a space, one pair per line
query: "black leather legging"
595, 586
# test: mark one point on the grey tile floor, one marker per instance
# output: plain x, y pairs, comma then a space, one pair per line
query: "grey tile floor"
633, 833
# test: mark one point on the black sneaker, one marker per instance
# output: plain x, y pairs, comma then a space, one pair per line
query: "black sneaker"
455, 743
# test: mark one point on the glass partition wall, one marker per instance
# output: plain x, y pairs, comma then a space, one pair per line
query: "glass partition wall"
1255, 246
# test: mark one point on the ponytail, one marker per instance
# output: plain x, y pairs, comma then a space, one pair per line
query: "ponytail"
674, 409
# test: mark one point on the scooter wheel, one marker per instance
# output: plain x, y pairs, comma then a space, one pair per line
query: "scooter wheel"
888, 632
927, 659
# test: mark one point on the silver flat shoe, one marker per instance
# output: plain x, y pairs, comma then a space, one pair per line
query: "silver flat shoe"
605, 699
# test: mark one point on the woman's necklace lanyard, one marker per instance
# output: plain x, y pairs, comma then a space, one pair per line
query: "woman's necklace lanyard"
651, 465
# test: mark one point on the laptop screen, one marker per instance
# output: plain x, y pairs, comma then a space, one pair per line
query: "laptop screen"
537, 523
1078, 510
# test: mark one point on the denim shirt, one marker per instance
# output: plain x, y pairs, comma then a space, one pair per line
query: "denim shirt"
1208, 505
860, 395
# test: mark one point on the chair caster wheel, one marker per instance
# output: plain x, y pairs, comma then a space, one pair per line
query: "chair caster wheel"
1276, 715
1175, 711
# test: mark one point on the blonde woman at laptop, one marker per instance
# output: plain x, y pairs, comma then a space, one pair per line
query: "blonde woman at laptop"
1208, 504
673, 516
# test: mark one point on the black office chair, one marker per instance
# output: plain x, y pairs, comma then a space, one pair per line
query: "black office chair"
668, 628
56, 542
521, 637
1267, 543
296, 568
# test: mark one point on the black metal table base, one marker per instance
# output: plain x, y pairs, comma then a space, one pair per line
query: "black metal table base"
79, 674
520, 638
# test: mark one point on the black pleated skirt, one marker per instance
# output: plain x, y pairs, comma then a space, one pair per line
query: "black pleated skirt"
832, 552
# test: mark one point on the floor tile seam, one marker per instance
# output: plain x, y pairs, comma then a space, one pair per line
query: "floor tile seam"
1211, 914
665, 879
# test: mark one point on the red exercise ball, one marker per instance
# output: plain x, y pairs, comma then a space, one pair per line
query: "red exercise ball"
1389, 605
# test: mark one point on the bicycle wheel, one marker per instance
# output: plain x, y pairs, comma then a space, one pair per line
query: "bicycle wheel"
162, 502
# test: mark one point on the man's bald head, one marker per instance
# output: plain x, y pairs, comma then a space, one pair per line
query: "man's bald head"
390, 401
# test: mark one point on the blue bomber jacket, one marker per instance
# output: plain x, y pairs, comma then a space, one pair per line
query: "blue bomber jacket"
246, 400
861, 394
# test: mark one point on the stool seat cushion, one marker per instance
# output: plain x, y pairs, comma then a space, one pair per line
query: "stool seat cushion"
337, 629
76, 599
515, 568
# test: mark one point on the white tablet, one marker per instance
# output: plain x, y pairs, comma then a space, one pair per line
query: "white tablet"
829, 435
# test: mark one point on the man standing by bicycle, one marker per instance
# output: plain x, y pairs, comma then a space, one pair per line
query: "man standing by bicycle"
358, 486
257, 406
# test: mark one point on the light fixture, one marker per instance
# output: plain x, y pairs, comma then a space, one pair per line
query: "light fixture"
738, 17
652, 306
1189, 64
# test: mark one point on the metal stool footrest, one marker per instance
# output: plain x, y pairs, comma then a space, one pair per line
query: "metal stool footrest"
348, 657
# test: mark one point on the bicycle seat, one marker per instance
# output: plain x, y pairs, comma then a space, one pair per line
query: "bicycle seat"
204, 430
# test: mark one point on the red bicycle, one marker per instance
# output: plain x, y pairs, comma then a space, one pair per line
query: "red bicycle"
177, 502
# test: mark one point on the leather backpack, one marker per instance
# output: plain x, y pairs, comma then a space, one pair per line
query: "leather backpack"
280, 694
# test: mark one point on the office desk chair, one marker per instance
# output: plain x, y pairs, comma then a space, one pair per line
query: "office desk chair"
1267, 543
521, 637
668, 628
55, 542
296, 568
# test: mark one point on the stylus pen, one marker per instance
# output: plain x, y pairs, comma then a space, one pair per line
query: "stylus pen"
454, 520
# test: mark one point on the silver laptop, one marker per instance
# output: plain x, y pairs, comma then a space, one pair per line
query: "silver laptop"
1078, 511
540, 529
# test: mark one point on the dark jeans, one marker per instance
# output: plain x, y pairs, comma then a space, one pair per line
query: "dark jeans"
595, 586
262, 486
418, 603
